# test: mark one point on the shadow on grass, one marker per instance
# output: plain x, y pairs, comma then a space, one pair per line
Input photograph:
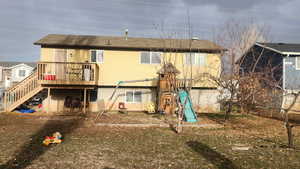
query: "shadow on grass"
211, 155
34, 148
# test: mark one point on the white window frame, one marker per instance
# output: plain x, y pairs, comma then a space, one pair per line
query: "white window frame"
197, 58
20, 71
150, 55
133, 96
98, 60
297, 60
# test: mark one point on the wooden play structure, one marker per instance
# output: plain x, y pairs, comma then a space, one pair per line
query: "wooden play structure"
167, 88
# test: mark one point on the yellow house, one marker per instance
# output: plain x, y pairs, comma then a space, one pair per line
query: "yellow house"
86, 69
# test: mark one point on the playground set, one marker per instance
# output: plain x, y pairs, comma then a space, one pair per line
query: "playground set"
173, 96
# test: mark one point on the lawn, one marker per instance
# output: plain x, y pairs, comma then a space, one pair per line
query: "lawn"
88, 146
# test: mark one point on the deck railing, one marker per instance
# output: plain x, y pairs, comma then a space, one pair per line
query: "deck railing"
20, 92
67, 73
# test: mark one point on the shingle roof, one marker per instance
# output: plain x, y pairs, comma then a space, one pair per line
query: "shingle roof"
10, 64
111, 42
283, 47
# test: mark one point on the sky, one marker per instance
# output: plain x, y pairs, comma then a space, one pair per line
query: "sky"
24, 22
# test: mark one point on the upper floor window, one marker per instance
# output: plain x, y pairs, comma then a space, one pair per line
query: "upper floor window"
133, 96
22, 73
151, 57
97, 56
198, 59
297, 62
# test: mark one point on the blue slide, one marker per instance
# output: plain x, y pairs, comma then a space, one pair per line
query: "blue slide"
189, 113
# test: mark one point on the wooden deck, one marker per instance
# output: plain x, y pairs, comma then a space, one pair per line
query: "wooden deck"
67, 73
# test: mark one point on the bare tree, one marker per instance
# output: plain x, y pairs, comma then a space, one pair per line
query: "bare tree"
237, 37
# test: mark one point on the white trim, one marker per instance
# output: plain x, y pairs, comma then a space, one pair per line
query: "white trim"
291, 53
263, 46
21, 64
283, 72
275, 50
296, 62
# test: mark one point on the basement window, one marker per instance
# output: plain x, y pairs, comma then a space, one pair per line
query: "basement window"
150, 57
93, 95
198, 59
133, 96
97, 56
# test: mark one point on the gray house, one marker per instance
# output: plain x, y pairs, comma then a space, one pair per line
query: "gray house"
282, 62
282, 58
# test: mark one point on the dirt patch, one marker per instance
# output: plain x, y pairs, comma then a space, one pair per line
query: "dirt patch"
122, 147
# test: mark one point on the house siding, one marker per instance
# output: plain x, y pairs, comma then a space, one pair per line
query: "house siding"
122, 65
292, 75
125, 65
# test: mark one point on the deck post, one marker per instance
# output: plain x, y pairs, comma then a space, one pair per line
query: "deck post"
49, 98
5, 101
84, 101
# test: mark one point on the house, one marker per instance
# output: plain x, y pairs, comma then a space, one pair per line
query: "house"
280, 60
87, 69
14, 72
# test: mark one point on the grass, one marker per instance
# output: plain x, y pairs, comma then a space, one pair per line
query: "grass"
87, 146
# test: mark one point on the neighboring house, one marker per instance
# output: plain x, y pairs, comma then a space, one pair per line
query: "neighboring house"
282, 58
75, 66
14, 72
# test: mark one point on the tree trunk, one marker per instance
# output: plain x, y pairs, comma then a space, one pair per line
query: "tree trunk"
228, 111
289, 128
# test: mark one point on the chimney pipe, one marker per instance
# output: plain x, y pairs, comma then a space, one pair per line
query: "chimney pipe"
126, 34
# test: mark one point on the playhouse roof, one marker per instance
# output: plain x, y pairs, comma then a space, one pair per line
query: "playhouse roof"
168, 68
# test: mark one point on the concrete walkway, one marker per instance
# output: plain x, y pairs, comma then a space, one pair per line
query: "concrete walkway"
159, 125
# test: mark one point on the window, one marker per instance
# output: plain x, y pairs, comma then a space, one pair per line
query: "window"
195, 59
93, 95
297, 62
150, 57
134, 96
97, 56
22, 73
129, 96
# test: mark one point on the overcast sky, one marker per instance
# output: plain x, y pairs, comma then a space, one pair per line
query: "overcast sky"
26, 21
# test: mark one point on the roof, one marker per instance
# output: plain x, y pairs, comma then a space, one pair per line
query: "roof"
283, 48
110, 42
11, 64
168, 68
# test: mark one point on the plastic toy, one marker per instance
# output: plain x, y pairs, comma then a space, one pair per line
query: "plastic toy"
150, 108
55, 139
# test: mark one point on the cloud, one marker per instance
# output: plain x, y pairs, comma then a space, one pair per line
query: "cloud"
231, 5
24, 22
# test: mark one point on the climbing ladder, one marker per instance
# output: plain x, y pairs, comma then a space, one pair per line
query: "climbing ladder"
21, 92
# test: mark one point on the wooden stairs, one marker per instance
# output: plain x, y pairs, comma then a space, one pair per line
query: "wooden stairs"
21, 92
